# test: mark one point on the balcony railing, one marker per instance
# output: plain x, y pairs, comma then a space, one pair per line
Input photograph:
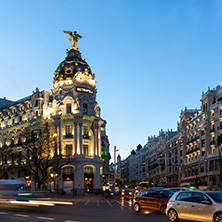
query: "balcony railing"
85, 136
68, 136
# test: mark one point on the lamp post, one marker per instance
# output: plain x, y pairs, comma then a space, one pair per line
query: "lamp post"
219, 142
115, 150
54, 176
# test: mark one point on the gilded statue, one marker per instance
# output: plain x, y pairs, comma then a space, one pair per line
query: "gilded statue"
73, 37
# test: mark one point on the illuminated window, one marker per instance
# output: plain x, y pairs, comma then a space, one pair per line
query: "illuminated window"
68, 150
6, 142
68, 131
85, 150
68, 108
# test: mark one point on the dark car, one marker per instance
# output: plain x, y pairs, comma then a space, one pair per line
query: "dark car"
152, 200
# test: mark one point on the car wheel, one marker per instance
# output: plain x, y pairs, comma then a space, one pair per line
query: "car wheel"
218, 217
172, 215
137, 207
163, 209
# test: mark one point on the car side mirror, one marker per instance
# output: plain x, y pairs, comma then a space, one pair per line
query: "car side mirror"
205, 202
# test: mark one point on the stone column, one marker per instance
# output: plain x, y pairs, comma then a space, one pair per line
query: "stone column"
79, 179
99, 141
97, 179
60, 140
80, 137
75, 137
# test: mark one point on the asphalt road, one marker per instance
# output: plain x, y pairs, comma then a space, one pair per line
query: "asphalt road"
84, 209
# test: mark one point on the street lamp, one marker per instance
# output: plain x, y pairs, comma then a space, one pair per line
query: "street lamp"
115, 150
54, 176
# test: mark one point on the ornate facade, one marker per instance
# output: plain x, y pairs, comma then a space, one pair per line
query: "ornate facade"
65, 125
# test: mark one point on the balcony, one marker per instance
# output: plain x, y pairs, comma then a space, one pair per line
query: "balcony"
193, 150
68, 136
85, 136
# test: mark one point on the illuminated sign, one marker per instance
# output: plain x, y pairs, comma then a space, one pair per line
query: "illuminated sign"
104, 153
85, 90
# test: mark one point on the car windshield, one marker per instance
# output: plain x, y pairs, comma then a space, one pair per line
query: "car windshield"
165, 193
216, 196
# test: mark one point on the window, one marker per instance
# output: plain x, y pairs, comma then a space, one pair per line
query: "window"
68, 108
36, 103
144, 193
68, 150
85, 109
199, 197
184, 196
211, 165
68, 132
85, 132
85, 150
152, 193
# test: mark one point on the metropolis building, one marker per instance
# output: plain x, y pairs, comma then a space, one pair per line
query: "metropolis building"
57, 140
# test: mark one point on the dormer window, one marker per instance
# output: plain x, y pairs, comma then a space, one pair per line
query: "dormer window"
21, 107
36, 103
85, 108
68, 108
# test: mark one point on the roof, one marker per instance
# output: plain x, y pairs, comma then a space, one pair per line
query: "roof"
4, 102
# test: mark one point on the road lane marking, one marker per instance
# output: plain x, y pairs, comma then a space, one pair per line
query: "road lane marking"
71, 221
120, 203
45, 218
3, 213
76, 202
109, 203
87, 202
21, 215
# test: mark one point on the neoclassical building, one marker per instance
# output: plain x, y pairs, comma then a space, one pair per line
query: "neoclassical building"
63, 127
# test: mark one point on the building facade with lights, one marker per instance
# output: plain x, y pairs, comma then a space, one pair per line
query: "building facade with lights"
63, 128
198, 133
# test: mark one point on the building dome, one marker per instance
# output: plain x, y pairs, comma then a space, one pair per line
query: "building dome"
72, 65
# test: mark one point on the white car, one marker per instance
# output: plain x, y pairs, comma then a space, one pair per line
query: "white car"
204, 206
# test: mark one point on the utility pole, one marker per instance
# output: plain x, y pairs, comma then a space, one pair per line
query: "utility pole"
114, 174
115, 150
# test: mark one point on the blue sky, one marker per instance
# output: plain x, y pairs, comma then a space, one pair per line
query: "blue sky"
151, 57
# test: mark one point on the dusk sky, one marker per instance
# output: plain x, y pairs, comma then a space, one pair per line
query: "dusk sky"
151, 58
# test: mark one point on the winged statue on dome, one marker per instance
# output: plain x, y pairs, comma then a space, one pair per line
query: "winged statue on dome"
73, 37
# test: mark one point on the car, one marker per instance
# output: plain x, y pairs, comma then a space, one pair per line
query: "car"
195, 205
152, 200
127, 193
